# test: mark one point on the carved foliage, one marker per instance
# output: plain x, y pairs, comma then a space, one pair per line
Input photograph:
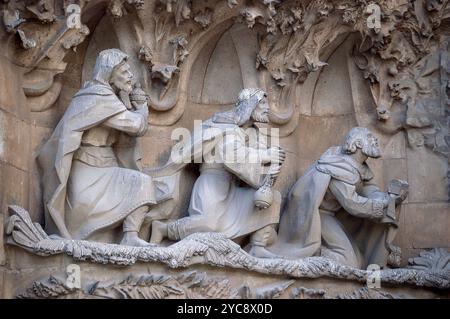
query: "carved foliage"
204, 248
49, 288
46, 37
436, 260
190, 285
368, 293
297, 33
22, 230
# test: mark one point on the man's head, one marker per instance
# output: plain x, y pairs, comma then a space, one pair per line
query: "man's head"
122, 78
360, 138
252, 103
111, 67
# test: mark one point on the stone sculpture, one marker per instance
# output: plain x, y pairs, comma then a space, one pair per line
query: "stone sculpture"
218, 203
340, 179
326, 66
90, 164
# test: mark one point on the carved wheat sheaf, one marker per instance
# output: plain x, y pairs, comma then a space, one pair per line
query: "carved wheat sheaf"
189, 285
205, 248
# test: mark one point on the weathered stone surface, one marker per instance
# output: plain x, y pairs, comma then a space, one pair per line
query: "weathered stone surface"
38, 136
16, 278
17, 190
394, 168
2, 282
395, 146
22, 260
224, 61
426, 225
427, 175
332, 93
324, 68
12, 99
422, 226
14, 141
2, 245
311, 144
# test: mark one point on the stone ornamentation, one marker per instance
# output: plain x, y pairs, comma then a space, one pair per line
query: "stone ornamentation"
225, 149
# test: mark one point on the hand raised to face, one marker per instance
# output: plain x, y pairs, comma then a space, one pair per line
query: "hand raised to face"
122, 78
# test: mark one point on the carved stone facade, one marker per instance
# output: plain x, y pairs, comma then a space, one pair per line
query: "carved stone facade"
320, 67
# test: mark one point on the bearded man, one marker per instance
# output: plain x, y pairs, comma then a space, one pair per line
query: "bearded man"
218, 201
333, 210
91, 164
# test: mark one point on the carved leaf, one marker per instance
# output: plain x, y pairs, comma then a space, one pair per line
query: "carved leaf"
367, 293
436, 259
306, 293
273, 290
187, 285
142, 287
23, 231
51, 288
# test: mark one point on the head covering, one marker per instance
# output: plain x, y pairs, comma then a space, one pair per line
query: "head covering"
247, 101
106, 61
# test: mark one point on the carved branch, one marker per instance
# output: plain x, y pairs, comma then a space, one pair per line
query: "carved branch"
203, 248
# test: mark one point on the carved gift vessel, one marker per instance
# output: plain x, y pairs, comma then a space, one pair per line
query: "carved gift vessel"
119, 119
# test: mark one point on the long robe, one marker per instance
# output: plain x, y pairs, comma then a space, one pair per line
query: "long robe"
101, 196
301, 232
218, 202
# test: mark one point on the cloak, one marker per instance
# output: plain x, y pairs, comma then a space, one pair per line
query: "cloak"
299, 233
91, 106
192, 150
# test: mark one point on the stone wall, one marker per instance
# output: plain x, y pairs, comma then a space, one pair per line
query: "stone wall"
329, 102
14, 146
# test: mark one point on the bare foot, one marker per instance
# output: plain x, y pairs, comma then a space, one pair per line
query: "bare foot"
159, 232
261, 252
132, 239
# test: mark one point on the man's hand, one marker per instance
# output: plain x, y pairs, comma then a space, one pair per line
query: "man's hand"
274, 170
138, 105
399, 199
276, 155
386, 200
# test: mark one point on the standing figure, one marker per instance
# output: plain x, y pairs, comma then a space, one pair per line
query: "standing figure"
333, 210
91, 173
232, 195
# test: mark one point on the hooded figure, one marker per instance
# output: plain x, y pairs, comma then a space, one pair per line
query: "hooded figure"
334, 211
90, 165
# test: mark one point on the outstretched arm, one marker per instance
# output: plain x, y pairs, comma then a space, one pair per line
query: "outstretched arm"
355, 204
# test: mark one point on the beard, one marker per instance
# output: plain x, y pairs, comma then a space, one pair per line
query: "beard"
260, 116
372, 151
123, 85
